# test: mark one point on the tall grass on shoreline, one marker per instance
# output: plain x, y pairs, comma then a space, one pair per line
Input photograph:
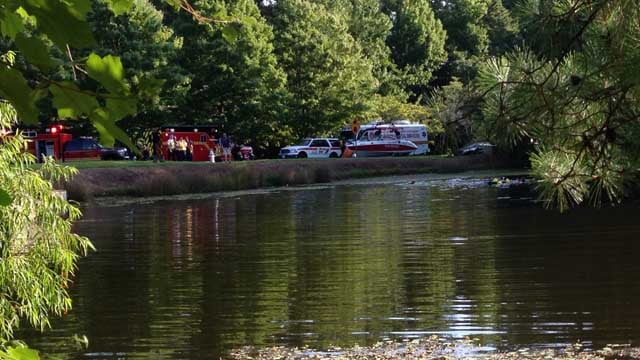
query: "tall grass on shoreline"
183, 178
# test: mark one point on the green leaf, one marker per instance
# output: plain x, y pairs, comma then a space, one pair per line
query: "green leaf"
79, 8
61, 23
109, 131
249, 21
10, 24
71, 102
14, 88
108, 71
35, 51
174, 3
22, 353
120, 7
230, 33
119, 108
5, 198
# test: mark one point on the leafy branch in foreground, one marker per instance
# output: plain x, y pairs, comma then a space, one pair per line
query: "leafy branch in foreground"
42, 35
40, 32
580, 110
38, 251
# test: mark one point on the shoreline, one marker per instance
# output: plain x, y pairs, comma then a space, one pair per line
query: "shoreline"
435, 347
194, 178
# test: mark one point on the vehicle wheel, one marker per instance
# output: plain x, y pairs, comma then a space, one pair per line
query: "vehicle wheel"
333, 155
302, 155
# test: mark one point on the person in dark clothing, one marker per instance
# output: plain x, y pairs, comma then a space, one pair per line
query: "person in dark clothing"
225, 141
157, 146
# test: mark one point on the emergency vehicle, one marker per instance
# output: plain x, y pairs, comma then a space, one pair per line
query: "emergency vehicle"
202, 139
312, 148
60, 145
48, 143
413, 132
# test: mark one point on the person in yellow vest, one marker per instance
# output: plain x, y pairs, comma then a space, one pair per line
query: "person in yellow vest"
182, 149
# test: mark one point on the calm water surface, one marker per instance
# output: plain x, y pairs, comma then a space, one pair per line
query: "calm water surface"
351, 263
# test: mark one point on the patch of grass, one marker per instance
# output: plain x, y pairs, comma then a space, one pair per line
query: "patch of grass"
102, 164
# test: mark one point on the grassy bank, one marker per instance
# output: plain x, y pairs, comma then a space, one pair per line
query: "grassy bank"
170, 178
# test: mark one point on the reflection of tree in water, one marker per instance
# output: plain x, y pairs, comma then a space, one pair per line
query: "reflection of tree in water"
351, 264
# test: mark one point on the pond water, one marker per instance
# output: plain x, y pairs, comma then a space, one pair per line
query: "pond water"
350, 263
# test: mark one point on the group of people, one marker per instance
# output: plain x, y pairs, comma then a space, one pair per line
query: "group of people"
181, 149
178, 149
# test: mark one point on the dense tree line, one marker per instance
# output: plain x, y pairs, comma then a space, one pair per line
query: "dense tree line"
554, 78
292, 68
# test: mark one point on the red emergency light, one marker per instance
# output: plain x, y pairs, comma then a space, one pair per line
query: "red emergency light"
54, 129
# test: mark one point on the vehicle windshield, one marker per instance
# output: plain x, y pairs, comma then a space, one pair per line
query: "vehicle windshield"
303, 142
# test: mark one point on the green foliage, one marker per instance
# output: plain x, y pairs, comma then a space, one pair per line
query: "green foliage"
5, 198
371, 27
417, 42
14, 87
10, 24
34, 51
108, 71
71, 102
390, 108
454, 107
237, 85
38, 249
579, 108
328, 77
19, 353
42, 31
120, 7
62, 22
148, 53
475, 29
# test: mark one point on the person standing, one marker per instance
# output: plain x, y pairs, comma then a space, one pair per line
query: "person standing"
157, 145
189, 150
182, 149
225, 141
171, 145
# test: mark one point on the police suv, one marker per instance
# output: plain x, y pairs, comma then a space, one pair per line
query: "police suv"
312, 148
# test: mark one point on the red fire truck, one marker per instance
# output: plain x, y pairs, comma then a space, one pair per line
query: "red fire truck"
55, 142
48, 143
202, 140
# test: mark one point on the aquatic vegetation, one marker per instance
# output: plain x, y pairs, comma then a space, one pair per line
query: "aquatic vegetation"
434, 347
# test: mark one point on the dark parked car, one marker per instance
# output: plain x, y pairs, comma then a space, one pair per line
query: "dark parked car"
89, 149
476, 148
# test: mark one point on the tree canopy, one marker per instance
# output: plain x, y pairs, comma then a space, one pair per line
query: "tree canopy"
577, 102
545, 73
